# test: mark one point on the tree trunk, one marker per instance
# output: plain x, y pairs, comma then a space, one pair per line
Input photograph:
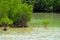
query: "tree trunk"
45, 25
20, 24
5, 27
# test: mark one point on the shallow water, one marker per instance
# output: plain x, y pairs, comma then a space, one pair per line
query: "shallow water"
36, 34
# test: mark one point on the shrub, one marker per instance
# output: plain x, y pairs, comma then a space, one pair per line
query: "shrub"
45, 23
5, 21
22, 13
16, 12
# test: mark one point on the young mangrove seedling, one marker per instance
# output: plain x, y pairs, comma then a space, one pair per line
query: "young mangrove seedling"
45, 23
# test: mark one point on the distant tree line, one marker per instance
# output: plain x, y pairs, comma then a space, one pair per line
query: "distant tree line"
44, 5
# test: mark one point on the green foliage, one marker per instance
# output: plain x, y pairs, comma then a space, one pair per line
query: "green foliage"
46, 22
6, 20
31, 1
14, 11
21, 12
45, 5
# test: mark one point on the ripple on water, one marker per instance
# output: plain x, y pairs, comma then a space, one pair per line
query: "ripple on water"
36, 34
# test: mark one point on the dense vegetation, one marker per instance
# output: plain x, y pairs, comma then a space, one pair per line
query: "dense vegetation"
19, 12
45, 5
14, 12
